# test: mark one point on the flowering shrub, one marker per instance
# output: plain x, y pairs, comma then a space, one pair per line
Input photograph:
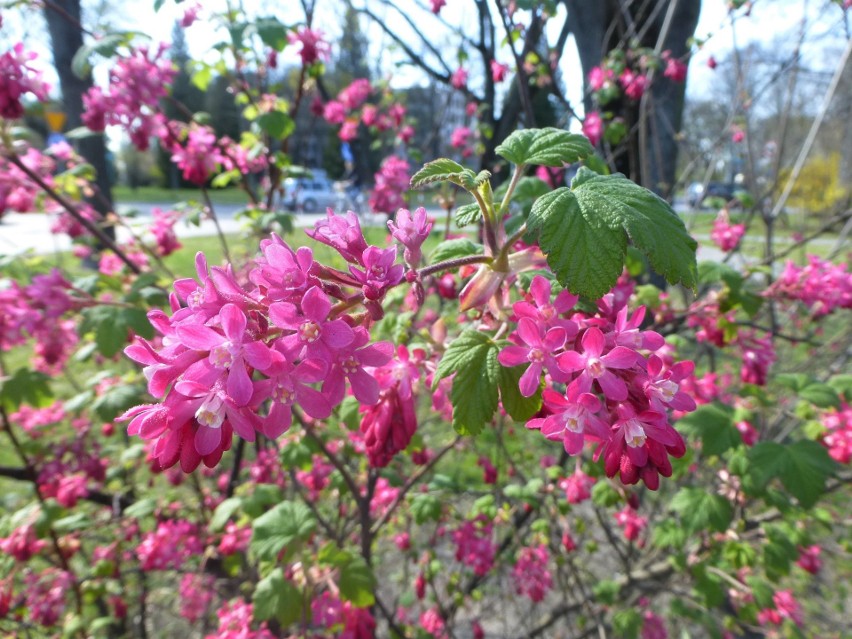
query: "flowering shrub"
399, 432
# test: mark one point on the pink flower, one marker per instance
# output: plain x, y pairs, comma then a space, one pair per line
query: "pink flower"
314, 335
314, 47
758, 355
747, 432
350, 364
498, 71
809, 559
392, 182
460, 137
593, 127
349, 131
190, 15
334, 112
632, 523
538, 307
725, 235
712, 63
432, 622
200, 157
459, 78
17, 78
572, 419
474, 545
538, 349
354, 95
388, 426
599, 78
577, 486
788, 607
737, 135
675, 70
634, 84
342, 233
653, 626
437, 5
411, 232
163, 230
594, 365
380, 272
532, 578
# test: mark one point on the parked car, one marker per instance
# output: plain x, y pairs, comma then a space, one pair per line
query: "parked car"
697, 192
309, 194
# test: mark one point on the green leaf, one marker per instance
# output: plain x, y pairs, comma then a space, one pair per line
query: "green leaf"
224, 512
113, 326
527, 191
357, 583
106, 46
606, 591
627, 623
453, 249
141, 508
584, 253
275, 597
714, 425
802, 468
276, 124
425, 507
669, 534
446, 170
821, 395
843, 385
546, 147
467, 214
116, 400
285, 526
25, 387
272, 33
700, 510
472, 356
261, 499
520, 408
584, 230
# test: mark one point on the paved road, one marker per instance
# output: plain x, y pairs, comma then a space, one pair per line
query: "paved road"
31, 231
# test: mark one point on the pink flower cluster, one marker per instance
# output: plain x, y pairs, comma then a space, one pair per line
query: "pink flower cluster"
475, 547
36, 312
17, 191
199, 156
46, 593
314, 46
350, 108
631, 522
17, 78
532, 578
392, 182
169, 545
820, 285
619, 391
786, 607
726, 235
240, 358
235, 622
340, 618
136, 85
838, 435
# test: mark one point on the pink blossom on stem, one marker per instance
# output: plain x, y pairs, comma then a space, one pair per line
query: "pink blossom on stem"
411, 231
593, 127
459, 78
342, 233
498, 71
314, 47
532, 578
538, 349
17, 78
594, 365
726, 235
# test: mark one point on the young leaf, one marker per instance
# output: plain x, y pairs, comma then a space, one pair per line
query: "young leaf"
357, 583
286, 525
467, 214
545, 147
276, 597
25, 387
802, 467
224, 512
701, 510
714, 425
455, 248
446, 170
584, 232
473, 358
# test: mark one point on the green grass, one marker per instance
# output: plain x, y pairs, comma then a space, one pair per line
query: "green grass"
159, 195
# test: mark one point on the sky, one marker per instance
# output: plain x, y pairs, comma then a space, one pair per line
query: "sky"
773, 23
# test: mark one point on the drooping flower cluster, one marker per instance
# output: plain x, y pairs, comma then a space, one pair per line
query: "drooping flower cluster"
725, 235
474, 545
17, 191
136, 84
820, 285
314, 46
838, 435
531, 574
237, 358
619, 390
391, 184
18, 78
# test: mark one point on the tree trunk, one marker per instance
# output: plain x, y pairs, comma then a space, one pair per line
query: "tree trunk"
66, 35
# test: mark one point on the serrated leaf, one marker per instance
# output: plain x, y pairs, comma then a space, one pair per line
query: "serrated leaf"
584, 253
843, 385
802, 468
649, 221
821, 395
700, 510
285, 526
453, 249
472, 357
627, 623
141, 508
25, 386
357, 583
467, 214
224, 511
276, 597
714, 425
520, 408
445, 170
545, 147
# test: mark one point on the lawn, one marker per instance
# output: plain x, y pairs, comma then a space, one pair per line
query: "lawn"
159, 195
